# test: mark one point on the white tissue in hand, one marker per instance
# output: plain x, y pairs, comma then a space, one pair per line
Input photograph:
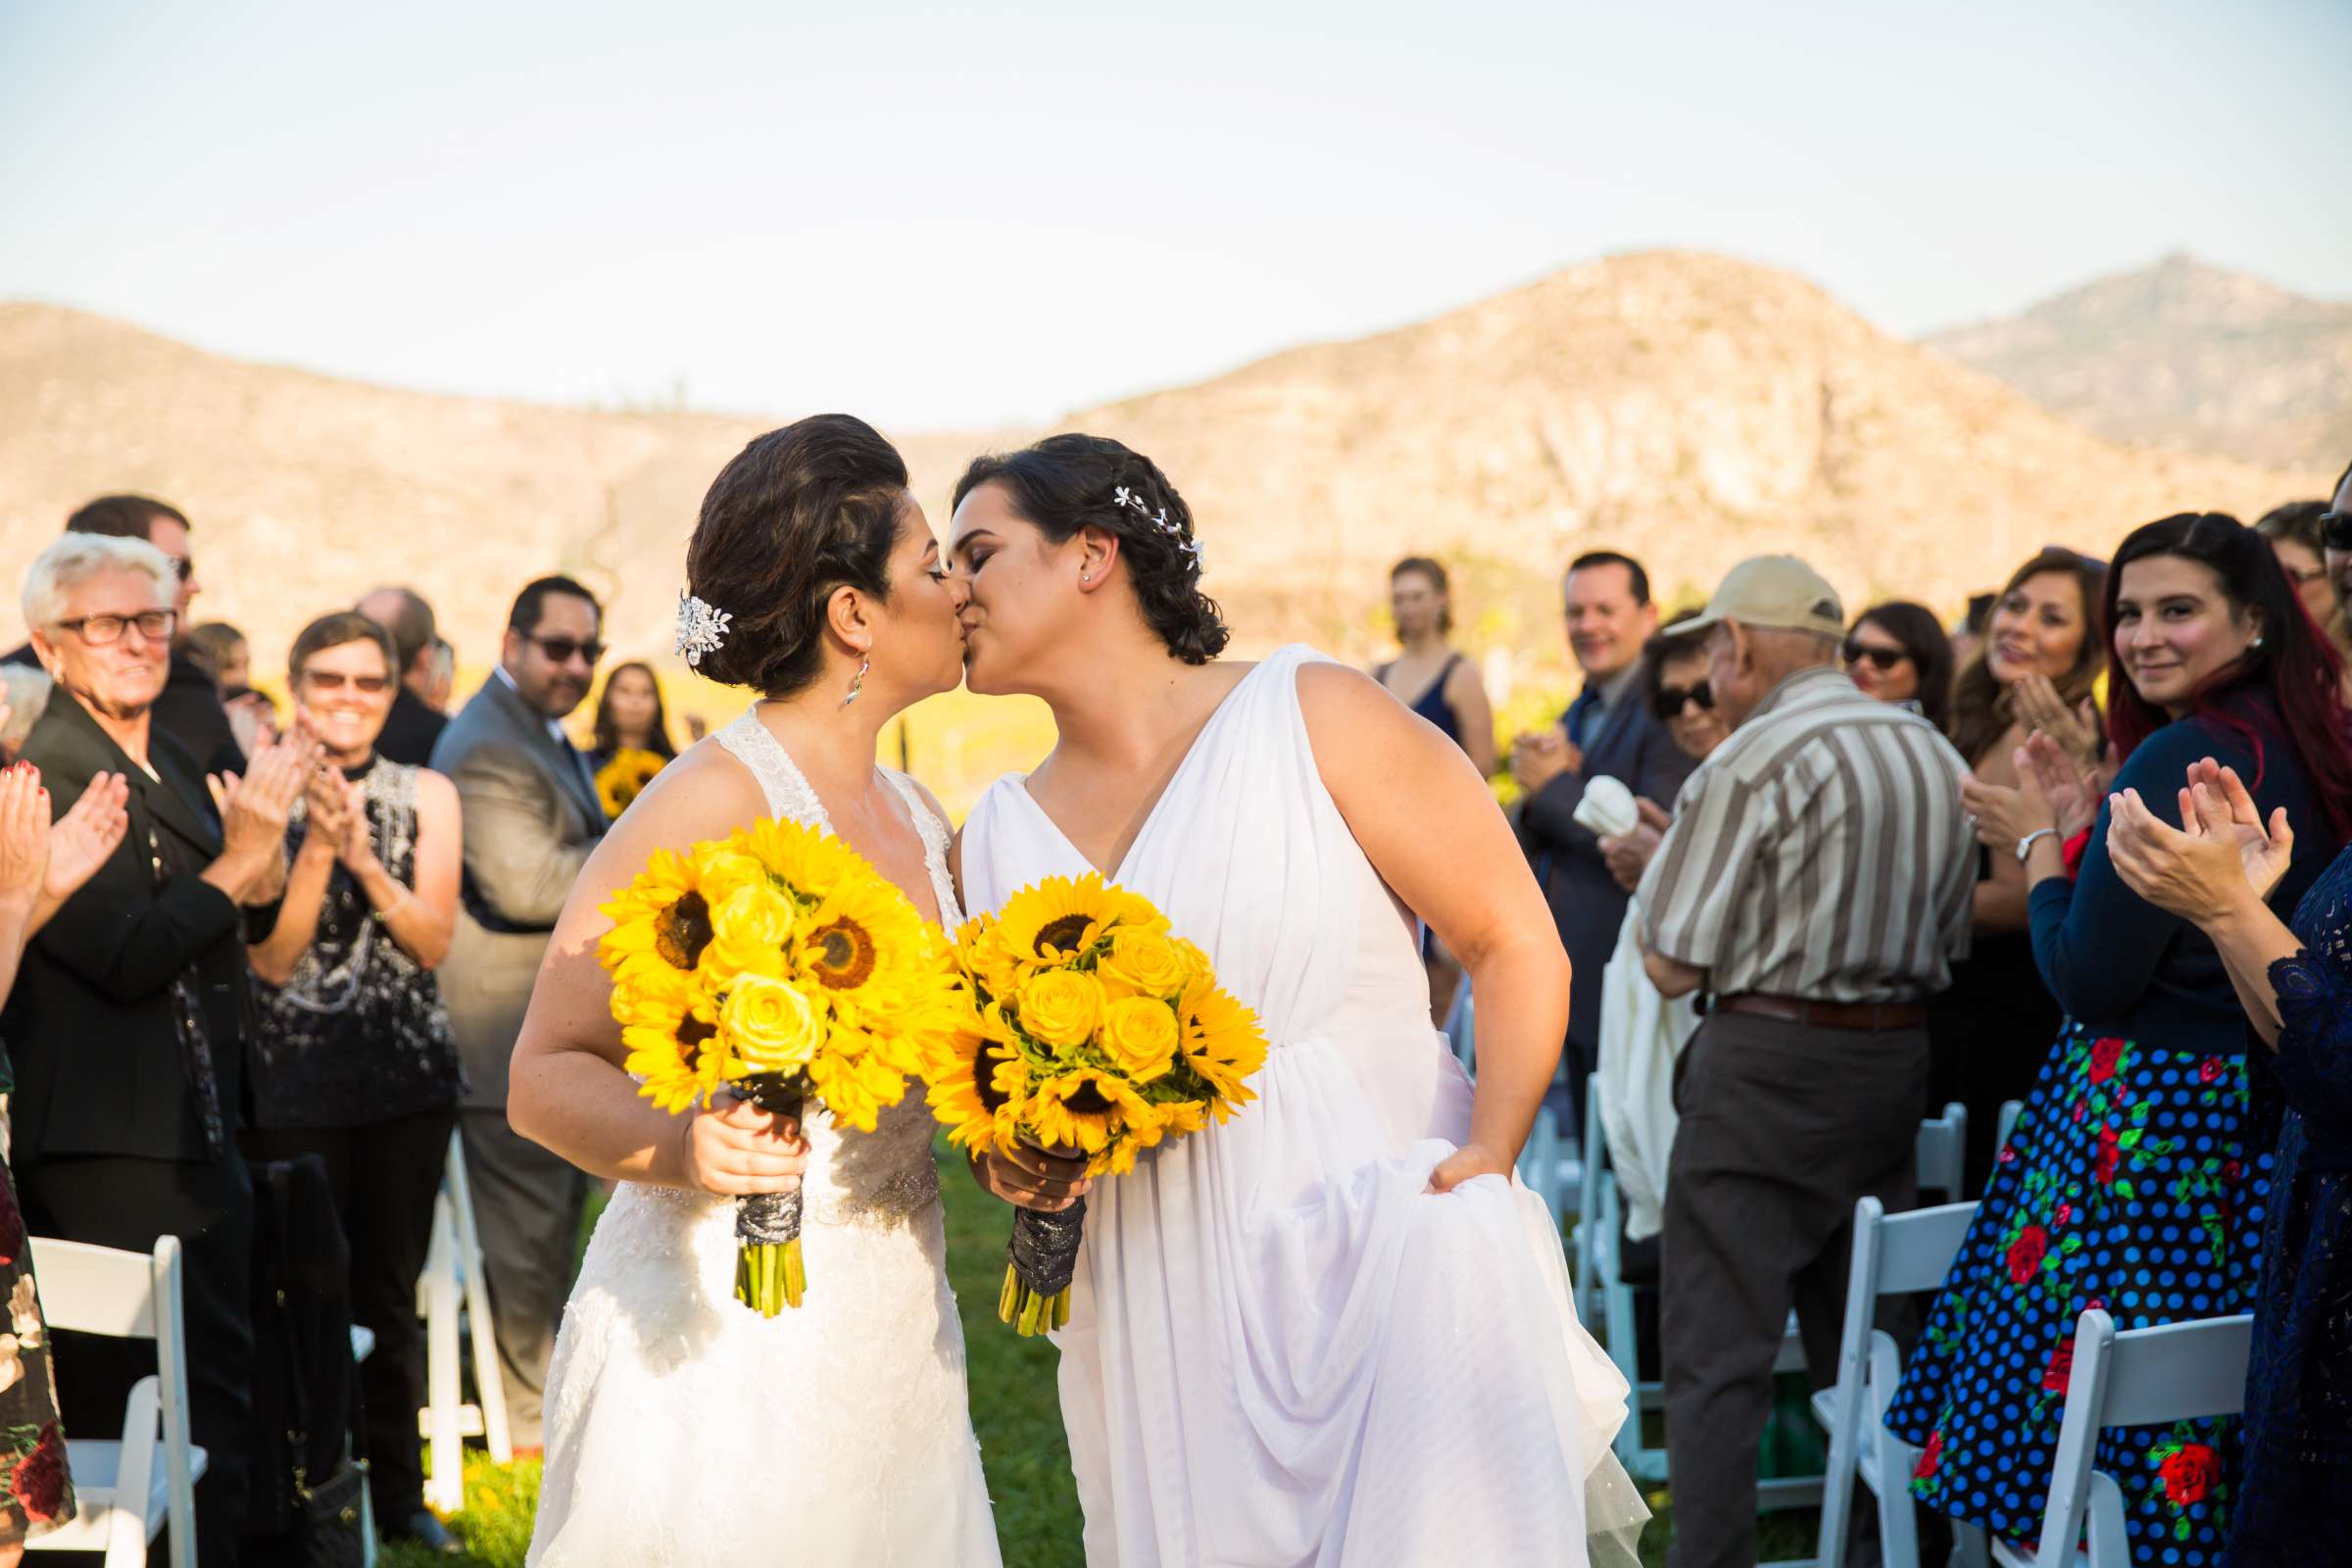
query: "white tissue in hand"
1607, 807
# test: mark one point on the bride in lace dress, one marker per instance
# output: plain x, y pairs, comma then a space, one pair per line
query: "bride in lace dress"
683, 1429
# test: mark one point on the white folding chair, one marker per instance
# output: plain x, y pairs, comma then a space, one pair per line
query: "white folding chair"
450, 1297
1942, 1152
1586, 1284
1548, 1166
1893, 1255
124, 1500
2131, 1378
1461, 1021
2011, 1109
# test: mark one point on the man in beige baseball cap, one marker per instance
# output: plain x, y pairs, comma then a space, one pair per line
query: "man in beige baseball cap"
1816, 883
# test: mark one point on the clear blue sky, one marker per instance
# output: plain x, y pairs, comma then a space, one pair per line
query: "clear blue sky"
961, 214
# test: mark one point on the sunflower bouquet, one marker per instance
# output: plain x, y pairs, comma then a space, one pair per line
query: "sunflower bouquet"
780, 964
1100, 1035
623, 778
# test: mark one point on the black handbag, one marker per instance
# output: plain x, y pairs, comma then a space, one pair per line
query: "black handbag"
306, 1509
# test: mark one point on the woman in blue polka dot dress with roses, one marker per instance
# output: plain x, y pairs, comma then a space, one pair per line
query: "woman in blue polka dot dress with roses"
2138, 1176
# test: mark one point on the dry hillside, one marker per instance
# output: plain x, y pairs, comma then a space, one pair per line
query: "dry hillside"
2186, 354
1688, 407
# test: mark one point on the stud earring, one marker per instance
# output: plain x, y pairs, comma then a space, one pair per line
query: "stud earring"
857, 681
2257, 643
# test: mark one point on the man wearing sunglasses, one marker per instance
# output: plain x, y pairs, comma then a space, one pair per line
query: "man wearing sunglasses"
189, 709
530, 816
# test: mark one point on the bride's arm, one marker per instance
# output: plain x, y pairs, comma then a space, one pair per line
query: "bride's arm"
567, 1087
1432, 832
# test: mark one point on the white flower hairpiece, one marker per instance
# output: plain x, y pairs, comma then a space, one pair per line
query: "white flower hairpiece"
701, 627
1124, 497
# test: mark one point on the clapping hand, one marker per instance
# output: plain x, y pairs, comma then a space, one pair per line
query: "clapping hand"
255, 807
23, 836
2005, 816
2220, 853
86, 835
2071, 788
2035, 703
1541, 755
358, 852
326, 804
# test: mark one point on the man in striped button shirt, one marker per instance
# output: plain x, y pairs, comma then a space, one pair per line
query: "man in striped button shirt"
1816, 885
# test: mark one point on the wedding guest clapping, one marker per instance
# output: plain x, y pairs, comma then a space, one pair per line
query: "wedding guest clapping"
2295, 984
2132, 1176
354, 1059
128, 1024
1989, 1031
40, 866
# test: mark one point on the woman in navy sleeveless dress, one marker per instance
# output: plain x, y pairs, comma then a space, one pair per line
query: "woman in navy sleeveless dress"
2138, 1176
1453, 699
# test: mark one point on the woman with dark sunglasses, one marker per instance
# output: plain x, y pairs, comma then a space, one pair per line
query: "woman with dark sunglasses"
1899, 652
354, 1059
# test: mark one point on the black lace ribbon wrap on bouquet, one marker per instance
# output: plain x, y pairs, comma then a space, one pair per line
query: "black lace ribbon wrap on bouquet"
769, 1275
1040, 1261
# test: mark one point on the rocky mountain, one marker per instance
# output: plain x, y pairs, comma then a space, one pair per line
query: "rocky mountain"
2185, 354
1691, 409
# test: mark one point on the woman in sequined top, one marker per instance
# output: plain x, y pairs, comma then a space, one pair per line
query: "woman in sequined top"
2295, 983
354, 1059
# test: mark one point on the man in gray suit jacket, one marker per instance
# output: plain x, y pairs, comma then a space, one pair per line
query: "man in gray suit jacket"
1609, 731
531, 816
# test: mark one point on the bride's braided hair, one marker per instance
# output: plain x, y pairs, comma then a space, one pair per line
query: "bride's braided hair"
1068, 482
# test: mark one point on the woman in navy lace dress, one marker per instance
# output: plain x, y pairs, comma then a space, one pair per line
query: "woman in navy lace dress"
2138, 1176
2296, 985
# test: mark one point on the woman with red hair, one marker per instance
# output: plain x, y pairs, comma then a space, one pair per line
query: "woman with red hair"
2136, 1176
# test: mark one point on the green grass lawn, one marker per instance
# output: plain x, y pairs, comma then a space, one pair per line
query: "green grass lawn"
1014, 1410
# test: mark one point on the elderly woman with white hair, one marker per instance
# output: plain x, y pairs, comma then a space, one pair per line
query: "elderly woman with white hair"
128, 1020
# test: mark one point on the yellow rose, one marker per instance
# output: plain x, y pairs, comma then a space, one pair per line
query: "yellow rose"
1143, 963
1060, 1007
771, 1024
750, 927
1139, 1034
719, 871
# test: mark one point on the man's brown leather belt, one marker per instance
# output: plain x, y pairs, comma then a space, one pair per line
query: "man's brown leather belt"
1873, 1015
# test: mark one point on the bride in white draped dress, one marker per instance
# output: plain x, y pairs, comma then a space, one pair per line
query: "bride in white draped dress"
684, 1430
1334, 1330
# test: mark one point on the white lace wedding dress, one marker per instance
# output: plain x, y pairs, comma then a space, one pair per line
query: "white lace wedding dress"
684, 1430
1283, 1349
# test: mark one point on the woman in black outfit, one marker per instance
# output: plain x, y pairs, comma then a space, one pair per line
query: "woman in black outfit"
354, 1059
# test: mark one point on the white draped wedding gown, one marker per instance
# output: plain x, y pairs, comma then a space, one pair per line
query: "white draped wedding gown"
685, 1431
1282, 1349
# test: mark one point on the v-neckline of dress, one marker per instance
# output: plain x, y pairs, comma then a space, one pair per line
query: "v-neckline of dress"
1150, 816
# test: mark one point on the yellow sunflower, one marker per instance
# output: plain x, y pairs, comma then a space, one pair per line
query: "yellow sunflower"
660, 920
1222, 1042
812, 862
863, 944
674, 1044
1088, 1110
625, 778
857, 1088
980, 951
1060, 919
971, 1093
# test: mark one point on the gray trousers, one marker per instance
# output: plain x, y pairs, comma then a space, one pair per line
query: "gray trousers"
1783, 1127
526, 1206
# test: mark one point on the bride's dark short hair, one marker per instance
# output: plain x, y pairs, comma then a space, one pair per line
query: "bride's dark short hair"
1066, 482
798, 513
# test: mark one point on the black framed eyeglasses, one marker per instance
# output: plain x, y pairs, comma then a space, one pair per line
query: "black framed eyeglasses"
1669, 701
562, 649
1876, 657
2335, 529
100, 631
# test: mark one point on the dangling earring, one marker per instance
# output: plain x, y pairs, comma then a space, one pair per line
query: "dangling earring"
857, 681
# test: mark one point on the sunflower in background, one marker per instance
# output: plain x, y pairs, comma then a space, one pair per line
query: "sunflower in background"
625, 778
